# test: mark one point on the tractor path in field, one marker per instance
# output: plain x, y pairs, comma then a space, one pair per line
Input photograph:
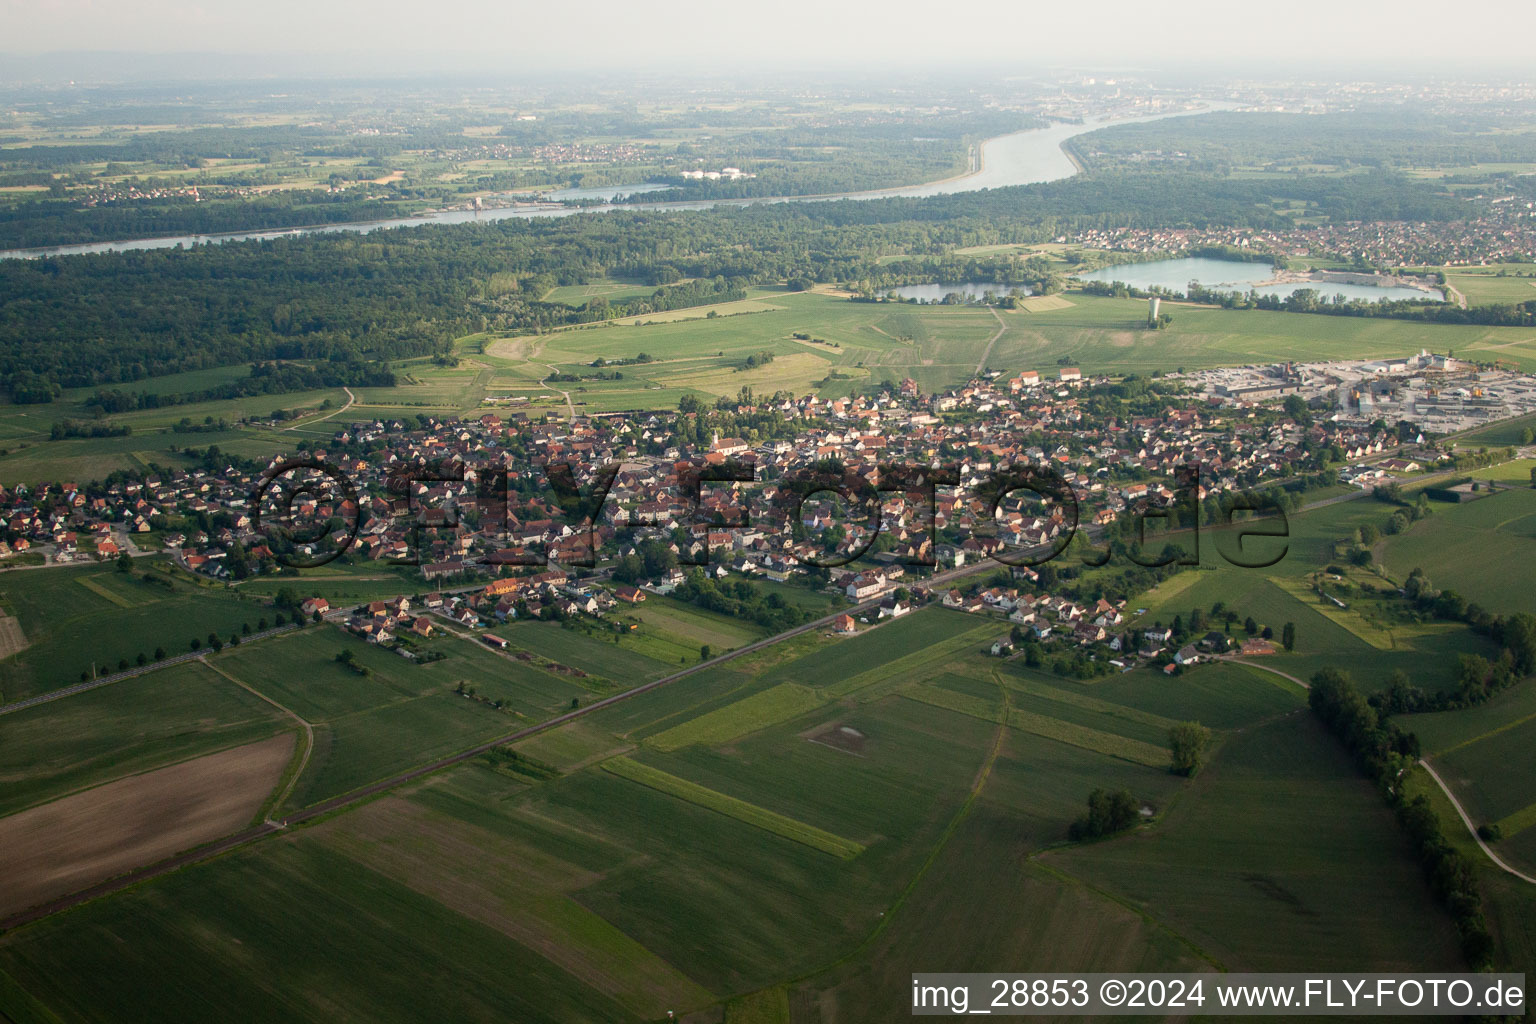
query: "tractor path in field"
309, 733
1466, 819
1002, 328
351, 401
570, 408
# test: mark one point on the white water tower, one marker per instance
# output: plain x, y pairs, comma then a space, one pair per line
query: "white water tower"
1152, 306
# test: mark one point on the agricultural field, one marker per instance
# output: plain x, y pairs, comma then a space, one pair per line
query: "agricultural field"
1495, 284
341, 582
399, 714
669, 623
1471, 547
74, 618
593, 653
798, 812
1497, 435
1373, 636
136, 725
1278, 854
693, 352
1481, 752
85, 838
578, 295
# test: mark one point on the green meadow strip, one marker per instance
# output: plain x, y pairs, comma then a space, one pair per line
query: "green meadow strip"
904, 668
1518, 821
731, 807
1135, 751
769, 707
1034, 688
954, 700
1122, 747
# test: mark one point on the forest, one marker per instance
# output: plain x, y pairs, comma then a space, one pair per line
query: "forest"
110, 319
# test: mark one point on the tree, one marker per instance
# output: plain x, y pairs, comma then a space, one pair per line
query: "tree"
1288, 636
142, 659
196, 643
159, 653
124, 563
1107, 813
1188, 742
1250, 626
704, 652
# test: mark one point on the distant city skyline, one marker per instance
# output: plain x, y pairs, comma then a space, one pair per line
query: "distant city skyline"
283, 36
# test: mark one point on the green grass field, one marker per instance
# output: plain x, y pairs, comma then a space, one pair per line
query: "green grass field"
1483, 286
762, 709
1470, 548
778, 824
940, 346
1280, 855
585, 651
1488, 777
401, 714
77, 617
289, 931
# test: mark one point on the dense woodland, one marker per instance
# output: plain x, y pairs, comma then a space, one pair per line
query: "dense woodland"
1377, 138
115, 318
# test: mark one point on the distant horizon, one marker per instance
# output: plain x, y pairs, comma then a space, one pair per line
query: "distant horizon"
105, 67
1405, 38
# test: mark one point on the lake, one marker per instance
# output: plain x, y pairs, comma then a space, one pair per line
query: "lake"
1021, 158
1237, 276
936, 292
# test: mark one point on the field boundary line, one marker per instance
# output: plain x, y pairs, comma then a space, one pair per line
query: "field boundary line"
1485, 735
983, 774
1466, 820
1099, 741
309, 739
102, 592
1515, 823
908, 663
1270, 669
154, 666
752, 713
17, 999
1044, 691
1066, 878
735, 808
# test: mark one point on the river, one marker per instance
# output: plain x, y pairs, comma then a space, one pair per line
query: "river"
1021, 158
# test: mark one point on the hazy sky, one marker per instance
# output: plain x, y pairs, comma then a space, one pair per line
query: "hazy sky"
721, 34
